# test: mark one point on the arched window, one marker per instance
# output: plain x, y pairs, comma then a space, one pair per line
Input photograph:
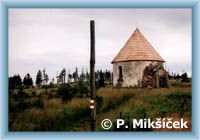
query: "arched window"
120, 73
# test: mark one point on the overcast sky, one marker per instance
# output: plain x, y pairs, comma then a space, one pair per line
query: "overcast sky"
60, 38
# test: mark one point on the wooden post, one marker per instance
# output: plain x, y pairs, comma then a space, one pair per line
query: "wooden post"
92, 76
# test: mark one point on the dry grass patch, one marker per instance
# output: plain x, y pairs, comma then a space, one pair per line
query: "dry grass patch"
53, 103
79, 103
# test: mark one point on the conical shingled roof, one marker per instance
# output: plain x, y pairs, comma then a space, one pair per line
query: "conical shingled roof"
137, 48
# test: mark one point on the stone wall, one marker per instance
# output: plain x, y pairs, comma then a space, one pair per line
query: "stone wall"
132, 72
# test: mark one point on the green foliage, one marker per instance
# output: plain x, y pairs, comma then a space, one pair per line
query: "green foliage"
185, 78
27, 81
75, 75
108, 106
73, 114
65, 92
46, 112
82, 89
39, 79
15, 82
20, 95
38, 103
113, 104
101, 79
128, 121
51, 85
51, 118
99, 101
140, 113
22, 101
23, 104
179, 102
12, 106
50, 95
173, 103
33, 93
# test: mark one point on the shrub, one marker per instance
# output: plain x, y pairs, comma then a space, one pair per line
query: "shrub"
23, 104
51, 85
38, 103
185, 78
99, 101
50, 95
174, 103
33, 93
22, 94
12, 106
179, 102
65, 92
83, 88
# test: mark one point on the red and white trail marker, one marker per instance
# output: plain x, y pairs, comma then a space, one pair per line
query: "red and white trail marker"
92, 103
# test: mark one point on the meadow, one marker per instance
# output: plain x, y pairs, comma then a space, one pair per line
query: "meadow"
36, 109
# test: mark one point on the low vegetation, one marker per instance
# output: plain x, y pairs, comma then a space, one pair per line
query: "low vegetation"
66, 107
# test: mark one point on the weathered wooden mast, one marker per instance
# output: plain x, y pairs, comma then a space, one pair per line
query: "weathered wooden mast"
92, 75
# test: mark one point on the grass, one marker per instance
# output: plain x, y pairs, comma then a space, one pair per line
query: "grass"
150, 103
56, 115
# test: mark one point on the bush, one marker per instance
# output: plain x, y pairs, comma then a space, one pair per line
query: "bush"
108, 106
174, 103
38, 103
51, 85
65, 92
33, 93
99, 101
75, 90
185, 78
50, 95
180, 102
23, 104
83, 88
80, 89
20, 95
115, 101
12, 106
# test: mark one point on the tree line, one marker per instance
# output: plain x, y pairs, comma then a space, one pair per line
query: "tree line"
184, 77
42, 78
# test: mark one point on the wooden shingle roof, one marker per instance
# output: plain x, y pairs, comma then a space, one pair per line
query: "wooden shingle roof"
137, 48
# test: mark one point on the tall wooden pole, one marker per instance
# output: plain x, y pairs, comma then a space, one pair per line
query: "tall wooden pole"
92, 75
